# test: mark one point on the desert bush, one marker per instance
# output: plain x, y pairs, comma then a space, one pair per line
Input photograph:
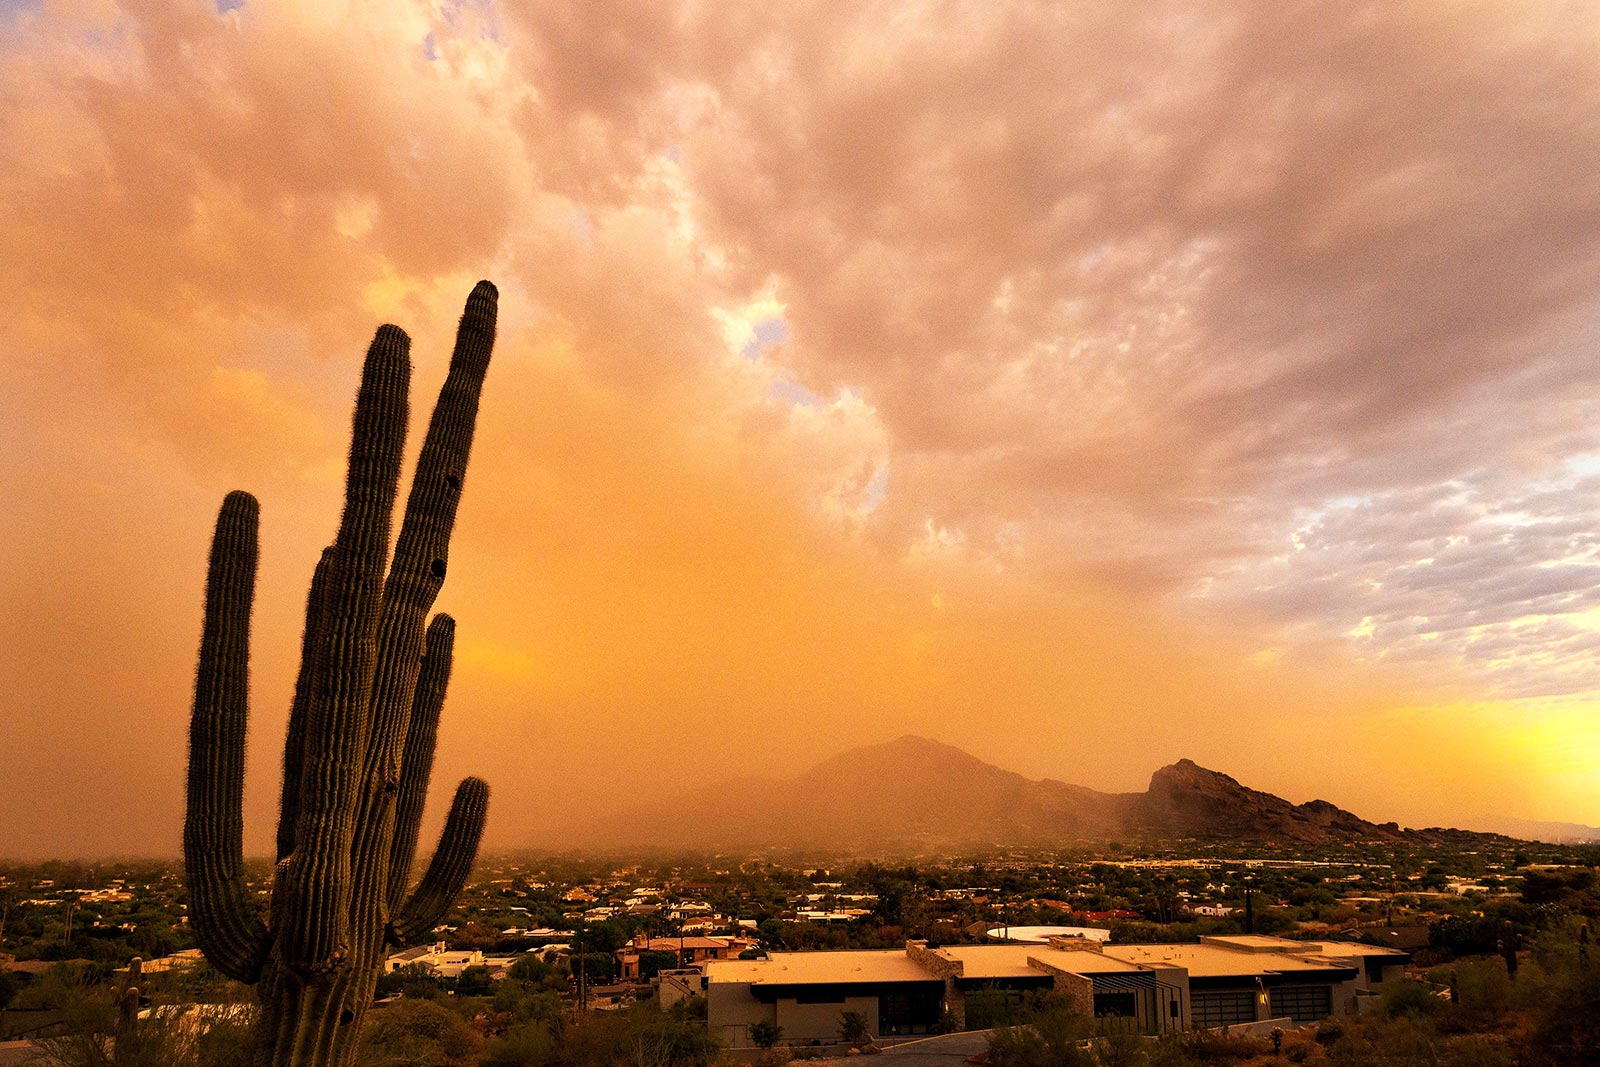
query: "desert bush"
419, 1033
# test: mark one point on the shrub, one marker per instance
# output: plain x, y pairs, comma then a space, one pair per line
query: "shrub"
1409, 997
419, 1033
765, 1034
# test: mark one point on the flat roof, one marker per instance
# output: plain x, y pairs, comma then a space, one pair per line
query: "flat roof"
1255, 942
1351, 948
1214, 958
821, 968
1079, 962
672, 944
995, 961
1209, 961
1011, 961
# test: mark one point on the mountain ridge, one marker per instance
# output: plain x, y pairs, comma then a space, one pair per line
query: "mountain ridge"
914, 793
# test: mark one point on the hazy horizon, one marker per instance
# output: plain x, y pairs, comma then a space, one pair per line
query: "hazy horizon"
1087, 388
603, 841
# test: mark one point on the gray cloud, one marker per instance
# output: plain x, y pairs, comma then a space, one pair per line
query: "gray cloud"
1135, 291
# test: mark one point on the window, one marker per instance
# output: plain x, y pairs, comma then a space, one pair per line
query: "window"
1302, 1003
1119, 1004
910, 1011
988, 1008
1224, 1009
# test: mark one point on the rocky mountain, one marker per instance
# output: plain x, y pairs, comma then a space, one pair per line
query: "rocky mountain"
914, 794
1186, 798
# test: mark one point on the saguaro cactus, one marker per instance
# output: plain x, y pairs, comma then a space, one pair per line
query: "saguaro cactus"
361, 731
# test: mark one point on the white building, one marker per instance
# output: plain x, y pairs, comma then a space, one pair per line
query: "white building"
447, 963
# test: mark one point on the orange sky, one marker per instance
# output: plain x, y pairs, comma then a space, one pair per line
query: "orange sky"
1083, 387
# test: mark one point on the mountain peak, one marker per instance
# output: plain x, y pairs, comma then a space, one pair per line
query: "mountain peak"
1186, 772
908, 752
913, 792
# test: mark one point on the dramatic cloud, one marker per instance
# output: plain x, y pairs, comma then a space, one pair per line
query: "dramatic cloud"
1086, 385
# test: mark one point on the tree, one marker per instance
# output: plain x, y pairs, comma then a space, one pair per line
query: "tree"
653, 963
474, 982
765, 1033
596, 967
853, 1029
530, 968
415, 980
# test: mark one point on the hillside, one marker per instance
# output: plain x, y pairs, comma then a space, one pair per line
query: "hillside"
914, 794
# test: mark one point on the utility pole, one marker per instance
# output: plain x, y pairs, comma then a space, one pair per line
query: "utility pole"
583, 974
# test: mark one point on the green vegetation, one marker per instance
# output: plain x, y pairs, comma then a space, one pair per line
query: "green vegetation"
765, 1034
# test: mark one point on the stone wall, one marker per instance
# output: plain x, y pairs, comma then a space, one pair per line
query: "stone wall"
940, 964
937, 962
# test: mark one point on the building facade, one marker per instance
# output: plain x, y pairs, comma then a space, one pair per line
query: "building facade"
1217, 981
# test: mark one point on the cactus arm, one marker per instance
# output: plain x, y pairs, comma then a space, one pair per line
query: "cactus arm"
294, 739
224, 921
451, 864
415, 577
312, 927
423, 548
417, 764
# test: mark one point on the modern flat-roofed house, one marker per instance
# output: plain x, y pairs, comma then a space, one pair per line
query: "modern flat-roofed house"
806, 993
1217, 981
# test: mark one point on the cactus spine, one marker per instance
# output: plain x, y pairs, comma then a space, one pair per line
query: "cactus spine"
362, 726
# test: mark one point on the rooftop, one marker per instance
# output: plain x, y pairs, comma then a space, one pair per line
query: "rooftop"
1247, 956
674, 944
1011, 961
1205, 961
817, 968
1254, 942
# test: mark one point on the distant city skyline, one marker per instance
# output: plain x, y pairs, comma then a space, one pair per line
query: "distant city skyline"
1085, 387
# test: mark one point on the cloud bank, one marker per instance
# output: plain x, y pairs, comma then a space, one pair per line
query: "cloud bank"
1085, 386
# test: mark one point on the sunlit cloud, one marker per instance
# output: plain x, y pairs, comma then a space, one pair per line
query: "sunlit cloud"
996, 371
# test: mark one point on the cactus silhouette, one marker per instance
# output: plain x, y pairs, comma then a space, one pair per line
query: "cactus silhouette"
362, 724
125, 1049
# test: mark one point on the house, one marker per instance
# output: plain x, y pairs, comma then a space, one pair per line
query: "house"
687, 951
1217, 981
447, 963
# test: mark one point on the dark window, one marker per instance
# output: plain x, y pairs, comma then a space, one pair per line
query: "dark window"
820, 995
910, 1011
1120, 1004
1223, 1009
1302, 1003
988, 1008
